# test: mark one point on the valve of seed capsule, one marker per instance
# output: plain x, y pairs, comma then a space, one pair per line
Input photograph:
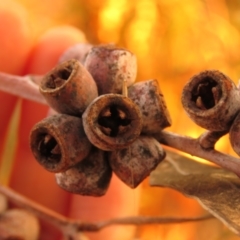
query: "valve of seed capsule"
59, 142
89, 177
69, 88
133, 164
109, 66
112, 121
148, 97
211, 100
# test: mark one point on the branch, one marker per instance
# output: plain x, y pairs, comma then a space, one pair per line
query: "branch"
192, 146
142, 220
25, 87
70, 227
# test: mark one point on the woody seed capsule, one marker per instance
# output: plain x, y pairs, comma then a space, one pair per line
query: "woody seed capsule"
134, 163
78, 51
89, 177
18, 224
112, 122
148, 97
211, 100
59, 142
109, 66
69, 88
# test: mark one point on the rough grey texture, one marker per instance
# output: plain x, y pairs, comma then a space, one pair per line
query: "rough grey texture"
149, 98
133, 164
109, 66
89, 177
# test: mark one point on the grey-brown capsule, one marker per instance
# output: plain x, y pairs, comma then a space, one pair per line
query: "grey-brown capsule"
148, 97
234, 134
18, 224
112, 122
59, 142
78, 51
134, 163
211, 100
90, 177
69, 88
110, 65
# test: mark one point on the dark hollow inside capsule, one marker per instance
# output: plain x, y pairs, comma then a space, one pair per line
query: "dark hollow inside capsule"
58, 78
48, 148
115, 119
207, 93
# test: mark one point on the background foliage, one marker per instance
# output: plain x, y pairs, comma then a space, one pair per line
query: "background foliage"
172, 40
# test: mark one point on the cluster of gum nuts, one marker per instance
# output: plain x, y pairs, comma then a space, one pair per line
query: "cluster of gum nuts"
105, 122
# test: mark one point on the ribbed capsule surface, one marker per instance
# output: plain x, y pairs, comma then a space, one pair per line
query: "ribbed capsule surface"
134, 163
69, 88
90, 177
59, 142
109, 66
211, 100
148, 96
112, 122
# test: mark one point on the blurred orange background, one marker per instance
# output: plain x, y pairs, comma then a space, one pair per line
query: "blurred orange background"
172, 40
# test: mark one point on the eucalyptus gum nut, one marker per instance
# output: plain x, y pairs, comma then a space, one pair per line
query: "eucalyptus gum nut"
59, 142
148, 97
69, 88
19, 224
110, 65
211, 100
234, 134
112, 122
134, 163
90, 177
78, 51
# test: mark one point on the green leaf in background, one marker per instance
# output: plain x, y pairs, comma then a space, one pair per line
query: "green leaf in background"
217, 190
10, 145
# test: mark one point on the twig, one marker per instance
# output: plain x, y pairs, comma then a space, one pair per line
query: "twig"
208, 139
142, 220
192, 146
71, 227
25, 87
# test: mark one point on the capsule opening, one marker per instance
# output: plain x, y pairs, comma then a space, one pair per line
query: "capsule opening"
48, 149
113, 120
59, 77
207, 93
